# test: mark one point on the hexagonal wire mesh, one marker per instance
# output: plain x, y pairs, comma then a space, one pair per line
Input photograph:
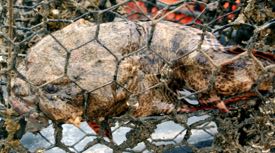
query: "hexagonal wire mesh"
159, 85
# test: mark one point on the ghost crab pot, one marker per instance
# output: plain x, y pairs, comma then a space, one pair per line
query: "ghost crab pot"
100, 71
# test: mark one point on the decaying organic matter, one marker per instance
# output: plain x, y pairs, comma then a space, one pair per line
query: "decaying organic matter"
96, 71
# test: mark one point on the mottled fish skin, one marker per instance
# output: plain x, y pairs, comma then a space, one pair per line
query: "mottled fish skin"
145, 84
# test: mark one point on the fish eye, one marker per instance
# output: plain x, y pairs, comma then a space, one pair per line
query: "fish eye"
50, 88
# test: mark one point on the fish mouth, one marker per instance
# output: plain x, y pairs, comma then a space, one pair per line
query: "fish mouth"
58, 105
35, 120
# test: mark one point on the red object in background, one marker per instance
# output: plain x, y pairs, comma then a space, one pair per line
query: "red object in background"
138, 11
135, 10
169, 2
232, 8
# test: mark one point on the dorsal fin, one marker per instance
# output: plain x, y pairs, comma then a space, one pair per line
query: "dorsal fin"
264, 55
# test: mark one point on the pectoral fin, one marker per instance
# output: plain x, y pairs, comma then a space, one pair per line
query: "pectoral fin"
101, 128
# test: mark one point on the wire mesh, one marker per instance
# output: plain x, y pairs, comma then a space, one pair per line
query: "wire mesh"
147, 76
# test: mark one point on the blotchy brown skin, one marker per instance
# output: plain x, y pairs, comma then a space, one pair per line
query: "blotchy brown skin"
234, 77
87, 87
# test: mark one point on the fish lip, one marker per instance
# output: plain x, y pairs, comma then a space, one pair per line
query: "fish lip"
19, 105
